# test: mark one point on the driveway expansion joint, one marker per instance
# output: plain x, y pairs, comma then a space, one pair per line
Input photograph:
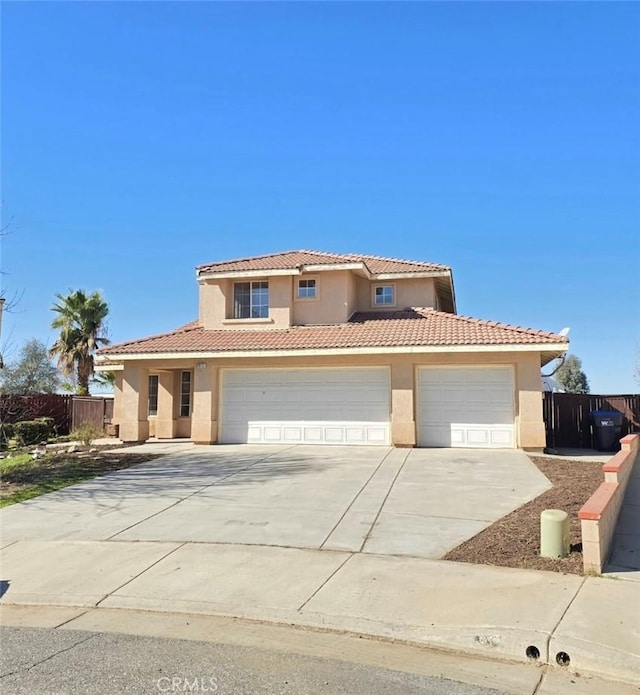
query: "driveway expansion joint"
384, 501
326, 581
565, 611
354, 500
146, 569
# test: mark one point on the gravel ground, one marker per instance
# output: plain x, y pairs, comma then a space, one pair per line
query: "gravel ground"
514, 540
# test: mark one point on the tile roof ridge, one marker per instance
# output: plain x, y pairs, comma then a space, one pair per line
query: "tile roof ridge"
374, 257
386, 315
332, 254
190, 326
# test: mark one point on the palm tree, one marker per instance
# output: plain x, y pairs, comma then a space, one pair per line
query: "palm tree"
80, 319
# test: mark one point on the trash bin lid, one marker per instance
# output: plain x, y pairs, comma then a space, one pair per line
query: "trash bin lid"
607, 417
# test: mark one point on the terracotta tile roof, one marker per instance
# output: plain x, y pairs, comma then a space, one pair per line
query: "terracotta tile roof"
291, 260
412, 327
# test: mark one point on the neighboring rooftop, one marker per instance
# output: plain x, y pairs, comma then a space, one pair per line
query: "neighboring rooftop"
397, 329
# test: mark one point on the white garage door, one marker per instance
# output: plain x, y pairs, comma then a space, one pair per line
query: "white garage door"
311, 406
466, 407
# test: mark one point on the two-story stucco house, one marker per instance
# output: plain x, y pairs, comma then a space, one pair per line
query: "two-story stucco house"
320, 348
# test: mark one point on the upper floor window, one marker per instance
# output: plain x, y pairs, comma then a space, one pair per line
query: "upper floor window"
307, 289
153, 394
251, 300
185, 394
383, 295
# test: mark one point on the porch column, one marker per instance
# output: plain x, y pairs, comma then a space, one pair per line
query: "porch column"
403, 426
531, 433
166, 420
134, 425
204, 418
117, 399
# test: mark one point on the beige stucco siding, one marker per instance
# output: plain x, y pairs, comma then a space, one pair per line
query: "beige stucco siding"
213, 303
340, 294
117, 400
280, 291
203, 425
529, 420
134, 423
416, 292
334, 304
216, 304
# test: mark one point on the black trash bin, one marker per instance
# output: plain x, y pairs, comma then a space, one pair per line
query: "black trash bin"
607, 429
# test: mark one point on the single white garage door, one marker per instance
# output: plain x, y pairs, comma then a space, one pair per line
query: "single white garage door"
466, 407
305, 406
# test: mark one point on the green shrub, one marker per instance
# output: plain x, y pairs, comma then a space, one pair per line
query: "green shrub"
87, 432
6, 433
50, 423
31, 432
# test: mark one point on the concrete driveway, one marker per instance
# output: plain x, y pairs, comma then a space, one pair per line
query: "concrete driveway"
416, 502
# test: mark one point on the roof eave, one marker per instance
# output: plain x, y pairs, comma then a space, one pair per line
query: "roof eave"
322, 267
548, 349
547, 356
409, 275
224, 274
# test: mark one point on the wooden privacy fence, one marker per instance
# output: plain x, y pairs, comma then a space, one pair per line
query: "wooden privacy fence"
96, 410
68, 412
19, 408
567, 417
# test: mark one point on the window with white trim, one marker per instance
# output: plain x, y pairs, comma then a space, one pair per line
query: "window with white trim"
251, 300
383, 295
153, 394
307, 289
185, 394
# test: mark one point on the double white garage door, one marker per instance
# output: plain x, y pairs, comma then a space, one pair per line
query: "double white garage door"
455, 407
311, 406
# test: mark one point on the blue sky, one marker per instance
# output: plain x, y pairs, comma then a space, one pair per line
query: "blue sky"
141, 139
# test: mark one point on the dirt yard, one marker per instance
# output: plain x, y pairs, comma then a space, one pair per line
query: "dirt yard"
514, 540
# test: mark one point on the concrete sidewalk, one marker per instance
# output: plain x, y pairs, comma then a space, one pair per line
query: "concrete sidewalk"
486, 611
624, 562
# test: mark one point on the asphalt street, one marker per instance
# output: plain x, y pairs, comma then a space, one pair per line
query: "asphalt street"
37, 660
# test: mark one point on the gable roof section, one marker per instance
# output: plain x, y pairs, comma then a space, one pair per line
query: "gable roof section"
412, 330
297, 260
370, 267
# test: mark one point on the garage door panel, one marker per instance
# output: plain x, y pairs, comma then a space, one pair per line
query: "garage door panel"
321, 406
472, 414
320, 433
502, 438
466, 407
